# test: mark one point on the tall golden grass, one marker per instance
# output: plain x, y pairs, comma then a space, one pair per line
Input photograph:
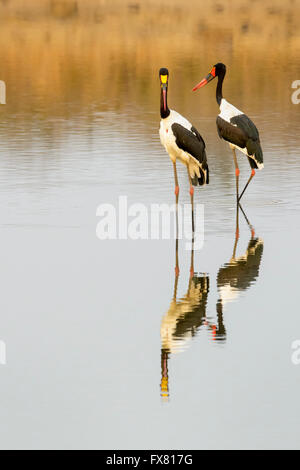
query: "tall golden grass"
57, 53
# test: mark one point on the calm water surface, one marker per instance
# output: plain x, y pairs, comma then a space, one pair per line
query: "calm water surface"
105, 347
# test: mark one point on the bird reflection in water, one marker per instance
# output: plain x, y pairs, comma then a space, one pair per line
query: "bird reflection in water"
184, 317
239, 273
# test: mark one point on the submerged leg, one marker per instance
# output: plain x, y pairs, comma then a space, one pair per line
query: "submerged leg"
249, 181
248, 222
177, 262
237, 173
192, 272
237, 232
192, 199
177, 197
176, 182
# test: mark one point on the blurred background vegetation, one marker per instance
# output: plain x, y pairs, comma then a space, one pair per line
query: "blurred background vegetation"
66, 56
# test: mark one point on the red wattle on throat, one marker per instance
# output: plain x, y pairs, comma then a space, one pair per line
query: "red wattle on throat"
165, 99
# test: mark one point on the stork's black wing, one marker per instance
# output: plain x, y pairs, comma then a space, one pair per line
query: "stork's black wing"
241, 131
231, 133
246, 125
190, 141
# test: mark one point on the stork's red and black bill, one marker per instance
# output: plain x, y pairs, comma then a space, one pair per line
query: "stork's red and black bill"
207, 79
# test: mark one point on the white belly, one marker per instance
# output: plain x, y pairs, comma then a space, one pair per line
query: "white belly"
167, 137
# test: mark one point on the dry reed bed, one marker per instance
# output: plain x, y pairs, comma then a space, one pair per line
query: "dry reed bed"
79, 51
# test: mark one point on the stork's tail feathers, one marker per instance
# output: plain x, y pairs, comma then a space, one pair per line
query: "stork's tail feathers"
202, 180
203, 177
255, 153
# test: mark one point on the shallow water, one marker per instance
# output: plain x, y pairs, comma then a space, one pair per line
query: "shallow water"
105, 348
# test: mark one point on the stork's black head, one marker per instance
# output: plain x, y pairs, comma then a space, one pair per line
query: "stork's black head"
164, 76
218, 70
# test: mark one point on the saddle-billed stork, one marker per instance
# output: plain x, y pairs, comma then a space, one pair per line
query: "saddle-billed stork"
182, 141
235, 127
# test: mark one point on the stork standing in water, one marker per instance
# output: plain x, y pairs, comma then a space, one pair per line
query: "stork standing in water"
236, 128
182, 141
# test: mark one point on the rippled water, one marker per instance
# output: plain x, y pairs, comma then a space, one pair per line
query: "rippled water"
106, 346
